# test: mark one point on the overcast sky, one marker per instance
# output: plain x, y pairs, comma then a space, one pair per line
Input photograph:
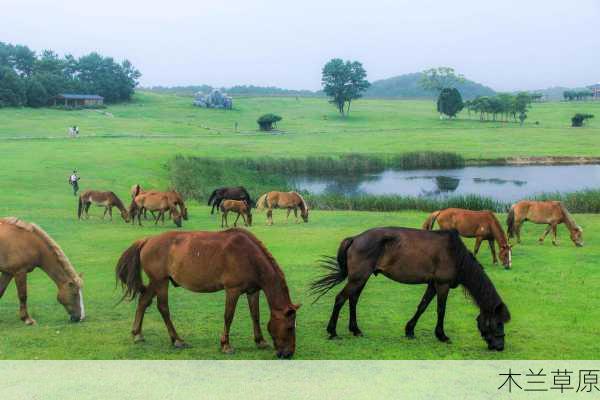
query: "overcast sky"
508, 45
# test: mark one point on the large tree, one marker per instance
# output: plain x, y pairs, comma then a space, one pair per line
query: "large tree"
344, 81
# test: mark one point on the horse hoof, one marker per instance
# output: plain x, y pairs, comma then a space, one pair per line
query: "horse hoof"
180, 344
357, 333
262, 344
227, 349
29, 321
334, 336
138, 339
442, 338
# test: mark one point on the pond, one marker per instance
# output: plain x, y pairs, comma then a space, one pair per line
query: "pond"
503, 183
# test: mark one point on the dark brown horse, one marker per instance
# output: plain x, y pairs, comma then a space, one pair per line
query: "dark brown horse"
552, 213
106, 199
481, 225
228, 193
288, 200
436, 258
237, 206
233, 260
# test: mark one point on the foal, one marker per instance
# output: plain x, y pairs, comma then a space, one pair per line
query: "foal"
238, 206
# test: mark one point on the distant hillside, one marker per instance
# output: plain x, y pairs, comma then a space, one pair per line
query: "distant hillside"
238, 90
407, 86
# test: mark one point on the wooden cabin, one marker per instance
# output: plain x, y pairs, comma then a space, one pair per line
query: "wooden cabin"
78, 100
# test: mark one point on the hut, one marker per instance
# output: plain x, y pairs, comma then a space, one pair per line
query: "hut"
78, 100
595, 91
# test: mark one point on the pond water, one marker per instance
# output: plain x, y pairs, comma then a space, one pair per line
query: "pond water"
503, 183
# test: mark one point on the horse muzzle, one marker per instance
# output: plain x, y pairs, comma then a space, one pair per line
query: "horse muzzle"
75, 318
285, 355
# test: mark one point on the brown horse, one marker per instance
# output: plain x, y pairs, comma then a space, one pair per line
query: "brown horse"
481, 225
238, 206
436, 258
25, 246
106, 199
174, 197
289, 200
154, 202
233, 260
543, 212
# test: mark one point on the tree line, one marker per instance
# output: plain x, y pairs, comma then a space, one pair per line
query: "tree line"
31, 79
570, 95
503, 106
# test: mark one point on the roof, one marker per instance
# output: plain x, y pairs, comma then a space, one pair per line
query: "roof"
71, 96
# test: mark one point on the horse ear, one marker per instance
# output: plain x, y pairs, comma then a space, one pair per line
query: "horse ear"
502, 312
291, 310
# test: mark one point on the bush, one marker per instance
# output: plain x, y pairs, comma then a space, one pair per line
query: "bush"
578, 119
266, 121
450, 102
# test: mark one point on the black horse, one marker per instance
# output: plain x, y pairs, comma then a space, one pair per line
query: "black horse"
228, 193
436, 258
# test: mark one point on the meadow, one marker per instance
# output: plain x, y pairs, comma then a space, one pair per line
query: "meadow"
551, 292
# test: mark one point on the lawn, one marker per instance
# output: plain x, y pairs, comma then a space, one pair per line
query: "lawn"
551, 292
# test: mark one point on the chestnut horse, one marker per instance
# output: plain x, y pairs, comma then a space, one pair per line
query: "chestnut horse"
25, 246
174, 196
543, 212
106, 199
481, 225
289, 200
238, 206
154, 201
233, 260
228, 193
436, 258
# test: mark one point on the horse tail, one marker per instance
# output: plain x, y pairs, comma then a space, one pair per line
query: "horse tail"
261, 203
337, 267
79, 207
129, 271
510, 222
430, 221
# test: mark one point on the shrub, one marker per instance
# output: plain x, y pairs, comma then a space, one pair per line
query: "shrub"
450, 102
266, 121
578, 119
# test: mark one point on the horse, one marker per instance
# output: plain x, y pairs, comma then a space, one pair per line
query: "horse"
204, 262
25, 246
543, 212
106, 199
174, 197
240, 207
289, 200
154, 201
482, 225
228, 193
436, 258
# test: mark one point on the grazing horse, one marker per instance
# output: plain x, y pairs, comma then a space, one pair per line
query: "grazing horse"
543, 212
106, 199
25, 246
233, 260
154, 201
482, 225
240, 207
436, 258
174, 197
228, 193
289, 200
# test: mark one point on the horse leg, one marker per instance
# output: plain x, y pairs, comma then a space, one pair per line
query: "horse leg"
162, 303
87, 209
253, 304
352, 302
110, 212
493, 249
270, 216
231, 298
348, 290
105, 211
5, 279
21, 281
158, 217
296, 215
518, 225
442, 295
427, 297
222, 220
554, 229
287, 217
143, 303
541, 239
477, 245
236, 220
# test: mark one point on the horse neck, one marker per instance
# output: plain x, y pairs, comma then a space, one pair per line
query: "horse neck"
476, 282
273, 284
568, 219
498, 232
54, 268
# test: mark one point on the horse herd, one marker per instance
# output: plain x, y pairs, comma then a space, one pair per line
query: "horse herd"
237, 262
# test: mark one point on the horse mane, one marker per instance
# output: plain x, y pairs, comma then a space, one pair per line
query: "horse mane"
54, 247
496, 225
304, 206
472, 276
569, 220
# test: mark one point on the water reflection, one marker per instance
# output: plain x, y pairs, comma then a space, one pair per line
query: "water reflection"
506, 183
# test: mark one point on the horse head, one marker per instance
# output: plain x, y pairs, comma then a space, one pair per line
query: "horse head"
506, 255
577, 236
304, 214
282, 327
70, 295
491, 326
125, 215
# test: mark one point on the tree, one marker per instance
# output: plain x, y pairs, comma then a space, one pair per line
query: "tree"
36, 94
266, 121
344, 82
12, 89
578, 119
437, 79
450, 102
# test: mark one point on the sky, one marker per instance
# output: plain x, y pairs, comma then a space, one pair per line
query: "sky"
507, 45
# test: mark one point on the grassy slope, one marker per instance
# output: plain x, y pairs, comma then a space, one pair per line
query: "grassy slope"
551, 292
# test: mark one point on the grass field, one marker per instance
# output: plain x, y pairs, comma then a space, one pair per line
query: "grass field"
551, 292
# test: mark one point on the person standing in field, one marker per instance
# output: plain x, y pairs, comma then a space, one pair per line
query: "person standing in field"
74, 182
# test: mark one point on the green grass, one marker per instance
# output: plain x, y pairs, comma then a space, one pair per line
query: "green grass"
552, 292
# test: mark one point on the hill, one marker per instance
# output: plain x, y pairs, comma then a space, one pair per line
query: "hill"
407, 86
